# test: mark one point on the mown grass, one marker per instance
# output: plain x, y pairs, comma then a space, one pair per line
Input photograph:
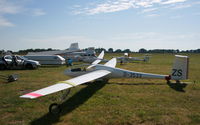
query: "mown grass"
120, 101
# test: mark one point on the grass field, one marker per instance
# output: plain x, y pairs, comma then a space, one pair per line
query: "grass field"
118, 102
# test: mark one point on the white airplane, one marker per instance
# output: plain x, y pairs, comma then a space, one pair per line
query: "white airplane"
73, 52
108, 71
126, 58
73, 48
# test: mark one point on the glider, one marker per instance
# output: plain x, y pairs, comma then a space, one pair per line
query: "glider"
108, 71
127, 58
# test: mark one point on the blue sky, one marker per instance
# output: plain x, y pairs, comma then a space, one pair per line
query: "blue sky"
132, 24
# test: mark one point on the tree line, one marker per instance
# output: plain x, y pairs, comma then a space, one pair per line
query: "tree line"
111, 50
142, 50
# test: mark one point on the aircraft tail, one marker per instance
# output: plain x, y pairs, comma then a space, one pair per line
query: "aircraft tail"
99, 59
74, 46
180, 68
101, 55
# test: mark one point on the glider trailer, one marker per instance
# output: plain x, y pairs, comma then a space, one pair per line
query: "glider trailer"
107, 71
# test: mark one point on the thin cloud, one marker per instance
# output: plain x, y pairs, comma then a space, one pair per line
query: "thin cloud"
120, 5
12, 8
147, 3
173, 1
38, 12
5, 23
110, 7
182, 6
7, 7
152, 15
149, 10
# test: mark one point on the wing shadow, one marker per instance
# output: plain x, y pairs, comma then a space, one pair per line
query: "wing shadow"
71, 104
176, 86
84, 94
137, 83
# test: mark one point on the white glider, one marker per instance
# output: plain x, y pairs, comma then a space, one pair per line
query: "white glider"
126, 58
108, 71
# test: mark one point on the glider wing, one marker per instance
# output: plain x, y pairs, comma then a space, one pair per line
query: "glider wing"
67, 84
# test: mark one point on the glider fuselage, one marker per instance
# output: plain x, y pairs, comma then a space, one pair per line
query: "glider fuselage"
115, 73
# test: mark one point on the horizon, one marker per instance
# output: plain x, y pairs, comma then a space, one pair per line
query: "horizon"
117, 24
52, 49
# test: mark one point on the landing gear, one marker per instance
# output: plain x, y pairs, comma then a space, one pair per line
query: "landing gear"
64, 94
55, 108
168, 78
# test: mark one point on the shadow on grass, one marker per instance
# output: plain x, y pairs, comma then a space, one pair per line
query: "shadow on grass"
138, 83
71, 104
177, 86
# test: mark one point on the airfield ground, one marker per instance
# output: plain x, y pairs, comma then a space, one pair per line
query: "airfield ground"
120, 101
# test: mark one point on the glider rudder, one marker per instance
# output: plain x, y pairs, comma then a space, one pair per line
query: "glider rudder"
180, 68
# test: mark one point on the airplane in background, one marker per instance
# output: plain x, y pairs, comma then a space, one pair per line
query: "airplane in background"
82, 56
73, 48
126, 58
108, 71
73, 52
91, 59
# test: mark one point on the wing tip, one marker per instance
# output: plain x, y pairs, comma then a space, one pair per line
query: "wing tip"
31, 95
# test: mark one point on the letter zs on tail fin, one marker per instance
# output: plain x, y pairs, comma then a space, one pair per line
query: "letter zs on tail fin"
180, 68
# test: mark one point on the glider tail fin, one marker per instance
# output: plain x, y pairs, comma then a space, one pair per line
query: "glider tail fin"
74, 46
101, 55
180, 68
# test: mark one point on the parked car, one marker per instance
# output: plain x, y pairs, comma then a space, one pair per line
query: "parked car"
17, 62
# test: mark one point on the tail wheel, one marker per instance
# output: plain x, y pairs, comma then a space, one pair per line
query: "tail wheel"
54, 108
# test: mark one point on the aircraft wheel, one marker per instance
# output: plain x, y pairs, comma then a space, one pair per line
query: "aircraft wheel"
54, 108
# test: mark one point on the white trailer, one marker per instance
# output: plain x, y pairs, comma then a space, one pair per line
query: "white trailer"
47, 59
